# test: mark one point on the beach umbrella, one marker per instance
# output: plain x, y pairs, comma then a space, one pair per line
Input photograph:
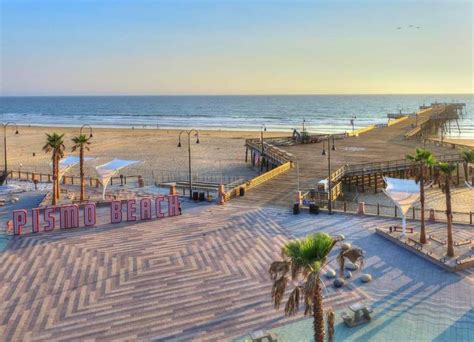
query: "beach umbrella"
404, 193
108, 170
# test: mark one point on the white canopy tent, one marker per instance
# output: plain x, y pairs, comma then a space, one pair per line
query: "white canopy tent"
108, 170
67, 163
405, 193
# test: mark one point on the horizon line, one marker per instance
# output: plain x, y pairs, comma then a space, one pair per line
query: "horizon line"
262, 94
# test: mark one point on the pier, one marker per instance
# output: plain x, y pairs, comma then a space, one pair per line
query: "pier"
359, 160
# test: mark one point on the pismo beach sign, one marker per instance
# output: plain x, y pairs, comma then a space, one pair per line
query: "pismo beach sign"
72, 216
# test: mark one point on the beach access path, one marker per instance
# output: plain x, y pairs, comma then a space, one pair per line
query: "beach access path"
380, 144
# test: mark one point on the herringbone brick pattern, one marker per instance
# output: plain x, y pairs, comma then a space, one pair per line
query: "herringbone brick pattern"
200, 276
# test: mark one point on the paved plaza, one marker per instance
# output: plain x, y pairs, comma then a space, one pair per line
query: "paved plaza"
204, 276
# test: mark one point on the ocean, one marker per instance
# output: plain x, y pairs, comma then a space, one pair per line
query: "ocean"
322, 113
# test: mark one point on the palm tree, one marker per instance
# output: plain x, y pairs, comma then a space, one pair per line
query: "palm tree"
423, 158
468, 157
55, 143
302, 263
447, 171
82, 143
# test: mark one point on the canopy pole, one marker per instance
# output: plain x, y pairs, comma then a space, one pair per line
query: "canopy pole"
404, 225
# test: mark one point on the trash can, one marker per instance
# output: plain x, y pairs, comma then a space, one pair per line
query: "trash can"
313, 209
296, 209
202, 196
195, 196
241, 191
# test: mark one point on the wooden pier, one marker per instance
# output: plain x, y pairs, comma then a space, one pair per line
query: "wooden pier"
359, 161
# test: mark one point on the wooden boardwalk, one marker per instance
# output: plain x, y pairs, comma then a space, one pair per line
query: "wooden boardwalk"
381, 144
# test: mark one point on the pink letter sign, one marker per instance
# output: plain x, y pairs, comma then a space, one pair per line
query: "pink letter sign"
115, 212
69, 216
35, 220
173, 205
19, 220
89, 214
158, 201
145, 209
49, 219
131, 210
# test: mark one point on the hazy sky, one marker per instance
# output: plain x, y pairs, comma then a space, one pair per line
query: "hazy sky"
73, 47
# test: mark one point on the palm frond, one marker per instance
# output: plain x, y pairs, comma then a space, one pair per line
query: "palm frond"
278, 290
293, 303
279, 269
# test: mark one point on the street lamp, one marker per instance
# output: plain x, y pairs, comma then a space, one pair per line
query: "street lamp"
5, 125
90, 130
352, 122
332, 148
189, 155
262, 129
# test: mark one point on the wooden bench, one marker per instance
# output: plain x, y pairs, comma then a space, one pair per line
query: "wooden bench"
431, 237
399, 229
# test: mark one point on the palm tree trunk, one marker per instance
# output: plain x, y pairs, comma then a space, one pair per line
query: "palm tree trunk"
422, 203
81, 165
449, 217
57, 177
53, 202
318, 313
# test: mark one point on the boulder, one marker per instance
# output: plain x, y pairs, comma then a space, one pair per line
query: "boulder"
366, 277
330, 273
347, 274
338, 282
345, 246
351, 266
341, 237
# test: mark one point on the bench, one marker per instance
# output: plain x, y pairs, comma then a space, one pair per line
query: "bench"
431, 237
462, 243
399, 229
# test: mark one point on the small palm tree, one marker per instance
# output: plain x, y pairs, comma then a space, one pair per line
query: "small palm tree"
82, 143
468, 157
302, 263
55, 143
447, 170
422, 158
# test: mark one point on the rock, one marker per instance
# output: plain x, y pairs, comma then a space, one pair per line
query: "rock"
341, 237
366, 278
351, 266
345, 246
330, 273
347, 274
338, 282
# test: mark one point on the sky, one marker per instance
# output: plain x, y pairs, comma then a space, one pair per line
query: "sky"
144, 47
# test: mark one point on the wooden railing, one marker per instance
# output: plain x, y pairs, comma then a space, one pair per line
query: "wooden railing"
258, 180
392, 165
274, 153
66, 179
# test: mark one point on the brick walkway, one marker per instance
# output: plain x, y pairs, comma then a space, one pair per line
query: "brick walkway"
201, 276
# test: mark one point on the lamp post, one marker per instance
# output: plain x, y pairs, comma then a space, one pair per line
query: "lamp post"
262, 129
333, 148
5, 125
90, 130
352, 122
189, 155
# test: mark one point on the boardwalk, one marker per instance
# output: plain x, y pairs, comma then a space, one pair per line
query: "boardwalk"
386, 143
201, 276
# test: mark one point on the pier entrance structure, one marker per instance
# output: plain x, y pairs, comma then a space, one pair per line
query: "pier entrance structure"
360, 160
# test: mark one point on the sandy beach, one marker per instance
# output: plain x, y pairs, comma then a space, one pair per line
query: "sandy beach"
218, 151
